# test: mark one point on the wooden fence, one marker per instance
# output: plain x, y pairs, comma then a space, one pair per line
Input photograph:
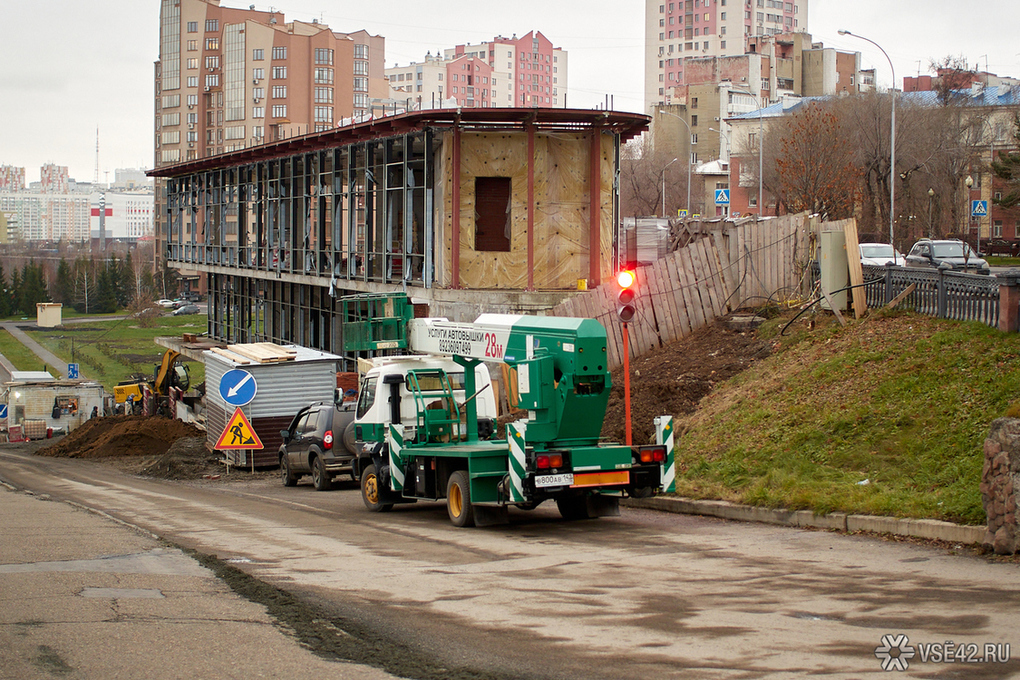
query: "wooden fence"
728, 267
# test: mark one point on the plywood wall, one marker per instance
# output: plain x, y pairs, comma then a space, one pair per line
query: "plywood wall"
561, 208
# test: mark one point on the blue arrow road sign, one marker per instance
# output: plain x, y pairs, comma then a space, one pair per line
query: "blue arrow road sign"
237, 387
72, 371
722, 196
3, 411
979, 208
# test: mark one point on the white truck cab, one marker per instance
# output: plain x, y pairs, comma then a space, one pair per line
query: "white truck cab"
401, 387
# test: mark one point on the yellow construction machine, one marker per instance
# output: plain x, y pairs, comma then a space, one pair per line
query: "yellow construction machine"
170, 372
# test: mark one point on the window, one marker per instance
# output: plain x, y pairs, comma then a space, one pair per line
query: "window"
279, 91
324, 95
323, 56
361, 68
492, 210
360, 100
258, 55
279, 72
258, 92
324, 76
694, 121
193, 101
258, 73
361, 51
280, 111
192, 81
212, 43
212, 62
280, 52
694, 102
361, 84
193, 62
323, 114
212, 80
193, 46
258, 112
192, 27
212, 25
997, 229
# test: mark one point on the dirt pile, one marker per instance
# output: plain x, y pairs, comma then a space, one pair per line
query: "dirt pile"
674, 378
120, 436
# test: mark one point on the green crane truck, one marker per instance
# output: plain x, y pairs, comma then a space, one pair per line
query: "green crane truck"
427, 421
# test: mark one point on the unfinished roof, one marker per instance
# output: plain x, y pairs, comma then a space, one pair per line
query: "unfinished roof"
626, 125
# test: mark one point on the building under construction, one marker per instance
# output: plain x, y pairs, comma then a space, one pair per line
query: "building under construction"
283, 230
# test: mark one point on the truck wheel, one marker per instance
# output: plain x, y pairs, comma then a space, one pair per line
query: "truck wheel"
320, 478
573, 507
288, 476
350, 439
371, 491
458, 500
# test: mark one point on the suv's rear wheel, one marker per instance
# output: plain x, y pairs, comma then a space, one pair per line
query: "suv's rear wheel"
320, 478
289, 479
372, 491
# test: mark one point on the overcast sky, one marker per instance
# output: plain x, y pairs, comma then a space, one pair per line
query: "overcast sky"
68, 67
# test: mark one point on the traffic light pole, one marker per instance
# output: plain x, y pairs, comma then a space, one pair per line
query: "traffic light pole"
626, 383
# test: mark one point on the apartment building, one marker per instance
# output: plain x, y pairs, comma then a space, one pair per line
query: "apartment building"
56, 208
678, 30
504, 72
230, 78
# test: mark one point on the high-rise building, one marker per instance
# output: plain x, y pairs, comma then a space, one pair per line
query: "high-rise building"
230, 78
680, 29
504, 72
12, 178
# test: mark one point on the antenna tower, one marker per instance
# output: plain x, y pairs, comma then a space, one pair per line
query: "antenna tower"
95, 178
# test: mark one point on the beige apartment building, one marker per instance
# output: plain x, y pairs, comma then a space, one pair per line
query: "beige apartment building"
229, 79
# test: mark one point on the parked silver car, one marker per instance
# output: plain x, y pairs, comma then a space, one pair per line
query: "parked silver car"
954, 253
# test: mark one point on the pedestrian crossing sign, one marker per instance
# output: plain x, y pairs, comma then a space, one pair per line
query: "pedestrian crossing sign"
979, 208
238, 434
722, 196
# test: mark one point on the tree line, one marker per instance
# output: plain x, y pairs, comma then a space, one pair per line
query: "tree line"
85, 284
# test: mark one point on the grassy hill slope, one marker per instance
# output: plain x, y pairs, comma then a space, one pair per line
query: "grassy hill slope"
887, 416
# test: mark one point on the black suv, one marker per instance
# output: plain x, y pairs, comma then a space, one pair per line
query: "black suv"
956, 254
319, 442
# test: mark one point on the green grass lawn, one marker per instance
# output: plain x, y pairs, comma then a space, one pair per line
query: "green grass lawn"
20, 356
111, 351
887, 417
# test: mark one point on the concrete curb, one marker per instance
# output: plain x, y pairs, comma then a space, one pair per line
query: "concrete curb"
919, 528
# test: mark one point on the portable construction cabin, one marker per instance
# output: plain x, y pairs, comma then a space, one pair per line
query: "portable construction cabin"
62, 405
285, 378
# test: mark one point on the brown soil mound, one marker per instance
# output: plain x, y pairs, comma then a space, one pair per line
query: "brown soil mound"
187, 458
120, 436
672, 379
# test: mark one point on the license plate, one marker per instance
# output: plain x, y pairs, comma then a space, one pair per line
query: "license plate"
545, 481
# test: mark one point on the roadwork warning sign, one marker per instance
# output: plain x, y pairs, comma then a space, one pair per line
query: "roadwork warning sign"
238, 434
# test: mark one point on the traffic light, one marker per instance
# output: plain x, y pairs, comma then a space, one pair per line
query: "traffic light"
626, 309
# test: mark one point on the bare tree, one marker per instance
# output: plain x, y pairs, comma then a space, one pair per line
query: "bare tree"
644, 173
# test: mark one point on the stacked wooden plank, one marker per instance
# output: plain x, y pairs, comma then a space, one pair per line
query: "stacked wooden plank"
256, 353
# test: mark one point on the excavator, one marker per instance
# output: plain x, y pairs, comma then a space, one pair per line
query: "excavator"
170, 372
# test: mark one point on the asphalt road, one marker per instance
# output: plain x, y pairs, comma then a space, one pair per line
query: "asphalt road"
643, 595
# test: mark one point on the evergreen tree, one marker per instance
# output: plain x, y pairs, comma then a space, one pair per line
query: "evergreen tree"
63, 286
106, 290
1007, 167
6, 307
15, 295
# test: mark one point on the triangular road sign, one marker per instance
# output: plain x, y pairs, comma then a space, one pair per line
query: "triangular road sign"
238, 434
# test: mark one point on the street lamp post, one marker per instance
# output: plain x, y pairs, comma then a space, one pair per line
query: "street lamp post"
892, 137
931, 194
761, 157
664, 185
690, 136
969, 182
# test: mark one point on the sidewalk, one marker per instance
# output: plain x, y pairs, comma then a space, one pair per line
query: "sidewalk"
85, 596
45, 356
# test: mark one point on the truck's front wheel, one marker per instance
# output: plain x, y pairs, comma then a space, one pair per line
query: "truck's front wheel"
372, 491
458, 499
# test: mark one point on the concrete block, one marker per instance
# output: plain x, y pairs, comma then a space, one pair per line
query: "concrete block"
881, 525
833, 520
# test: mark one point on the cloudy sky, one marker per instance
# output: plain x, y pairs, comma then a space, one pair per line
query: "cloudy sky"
69, 67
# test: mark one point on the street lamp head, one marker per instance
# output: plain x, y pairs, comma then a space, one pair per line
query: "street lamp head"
969, 181
843, 31
931, 192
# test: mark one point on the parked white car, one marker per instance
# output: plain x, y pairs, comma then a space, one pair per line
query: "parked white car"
165, 304
879, 254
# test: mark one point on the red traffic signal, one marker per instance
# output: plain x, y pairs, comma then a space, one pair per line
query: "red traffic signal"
625, 307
